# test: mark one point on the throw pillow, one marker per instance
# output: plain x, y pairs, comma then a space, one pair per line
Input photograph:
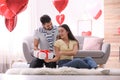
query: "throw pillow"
92, 43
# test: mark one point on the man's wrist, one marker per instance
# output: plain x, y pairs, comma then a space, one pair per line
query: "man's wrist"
36, 48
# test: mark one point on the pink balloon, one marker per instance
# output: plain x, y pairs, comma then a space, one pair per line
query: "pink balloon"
11, 23
60, 5
60, 18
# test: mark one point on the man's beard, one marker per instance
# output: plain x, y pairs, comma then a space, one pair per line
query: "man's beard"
49, 28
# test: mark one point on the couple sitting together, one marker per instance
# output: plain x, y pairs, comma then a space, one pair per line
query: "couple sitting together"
64, 46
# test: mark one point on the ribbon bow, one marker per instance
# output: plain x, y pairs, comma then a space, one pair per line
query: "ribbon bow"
46, 52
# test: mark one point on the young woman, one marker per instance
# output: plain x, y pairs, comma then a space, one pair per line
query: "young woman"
66, 47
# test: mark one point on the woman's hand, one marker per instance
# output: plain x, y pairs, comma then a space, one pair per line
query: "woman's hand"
60, 53
47, 60
56, 58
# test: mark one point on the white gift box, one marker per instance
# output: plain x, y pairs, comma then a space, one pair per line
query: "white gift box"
42, 55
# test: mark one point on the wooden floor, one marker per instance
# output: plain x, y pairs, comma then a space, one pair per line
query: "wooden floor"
113, 61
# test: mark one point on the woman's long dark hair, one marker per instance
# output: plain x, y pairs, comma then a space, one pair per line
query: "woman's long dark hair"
70, 35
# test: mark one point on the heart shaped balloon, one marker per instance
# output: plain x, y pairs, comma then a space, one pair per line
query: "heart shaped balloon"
118, 30
98, 14
5, 11
10, 9
86, 33
60, 18
11, 23
2, 1
60, 5
3, 8
8, 14
96, 11
16, 6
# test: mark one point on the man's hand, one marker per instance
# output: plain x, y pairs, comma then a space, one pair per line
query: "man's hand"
35, 48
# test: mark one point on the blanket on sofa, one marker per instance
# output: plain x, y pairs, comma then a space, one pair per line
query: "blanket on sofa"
62, 71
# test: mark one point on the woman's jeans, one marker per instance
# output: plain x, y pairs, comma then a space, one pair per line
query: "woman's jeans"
87, 62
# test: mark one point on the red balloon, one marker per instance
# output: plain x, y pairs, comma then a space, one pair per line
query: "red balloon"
60, 4
2, 1
119, 30
98, 14
88, 33
3, 8
5, 11
11, 23
23, 9
16, 6
10, 9
60, 18
8, 14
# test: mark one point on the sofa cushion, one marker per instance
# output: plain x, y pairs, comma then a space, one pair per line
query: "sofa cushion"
80, 40
85, 53
92, 43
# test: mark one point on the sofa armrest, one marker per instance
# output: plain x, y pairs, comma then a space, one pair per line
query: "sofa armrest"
106, 48
28, 53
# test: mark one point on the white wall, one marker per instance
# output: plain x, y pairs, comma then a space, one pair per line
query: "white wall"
11, 42
75, 10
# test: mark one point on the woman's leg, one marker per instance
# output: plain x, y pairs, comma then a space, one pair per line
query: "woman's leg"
77, 63
91, 62
62, 62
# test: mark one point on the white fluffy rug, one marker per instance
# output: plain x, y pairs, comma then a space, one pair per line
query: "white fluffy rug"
62, 71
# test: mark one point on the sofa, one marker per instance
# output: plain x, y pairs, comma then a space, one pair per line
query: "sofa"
100, 55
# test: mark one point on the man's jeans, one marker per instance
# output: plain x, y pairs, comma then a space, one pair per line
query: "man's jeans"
87, 62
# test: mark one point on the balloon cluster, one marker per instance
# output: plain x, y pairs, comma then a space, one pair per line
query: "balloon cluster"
60, 5
9, 9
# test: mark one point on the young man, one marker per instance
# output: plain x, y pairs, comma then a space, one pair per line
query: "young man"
44, 38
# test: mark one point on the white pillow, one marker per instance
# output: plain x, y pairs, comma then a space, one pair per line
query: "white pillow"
20, 65
92, 43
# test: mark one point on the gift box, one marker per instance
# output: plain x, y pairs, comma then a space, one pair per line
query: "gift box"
43, 54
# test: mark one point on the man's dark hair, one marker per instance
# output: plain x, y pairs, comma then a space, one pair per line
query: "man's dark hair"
45, 19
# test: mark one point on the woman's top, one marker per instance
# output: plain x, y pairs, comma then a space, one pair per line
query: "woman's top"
64, 47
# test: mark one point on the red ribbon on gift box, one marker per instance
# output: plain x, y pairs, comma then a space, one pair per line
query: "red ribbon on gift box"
45, 51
